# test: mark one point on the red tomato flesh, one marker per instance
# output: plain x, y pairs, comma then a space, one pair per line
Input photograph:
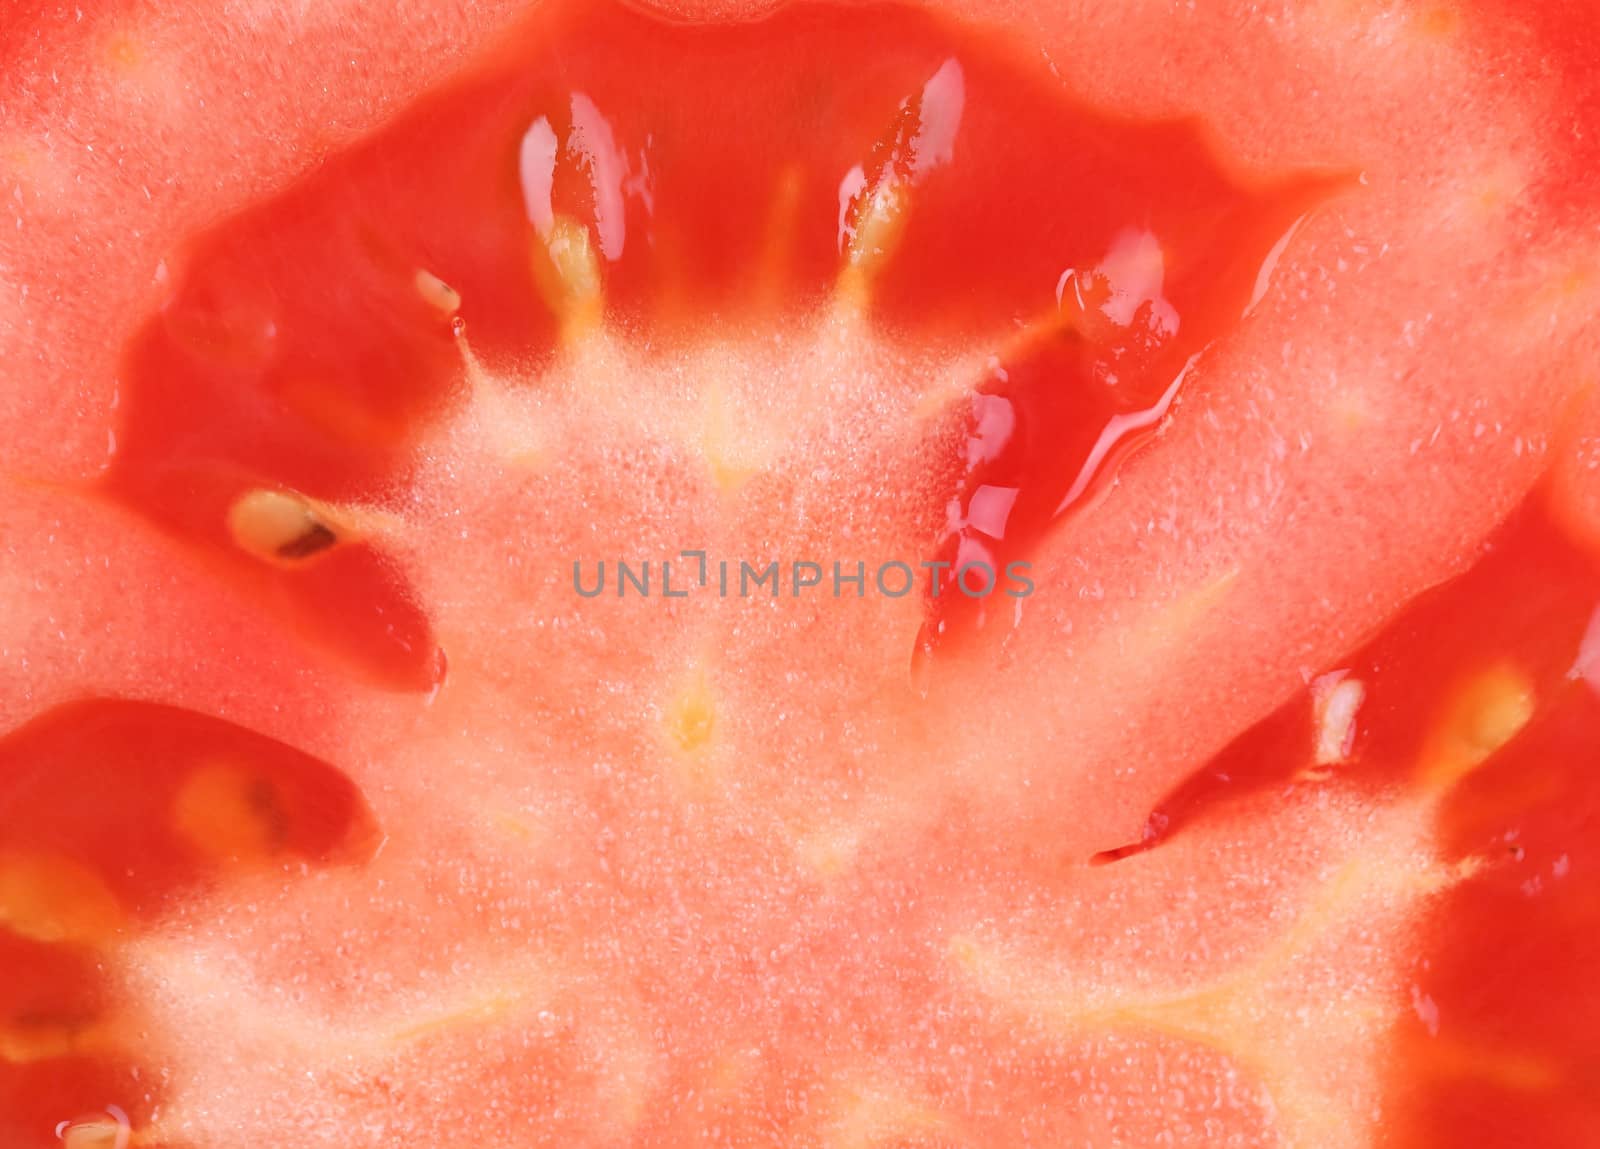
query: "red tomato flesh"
649, 873
296, 348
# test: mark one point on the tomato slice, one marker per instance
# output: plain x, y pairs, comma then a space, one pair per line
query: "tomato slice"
334, 808
303, 343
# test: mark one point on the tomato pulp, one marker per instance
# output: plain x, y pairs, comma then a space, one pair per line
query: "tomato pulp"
736, 870
297, 347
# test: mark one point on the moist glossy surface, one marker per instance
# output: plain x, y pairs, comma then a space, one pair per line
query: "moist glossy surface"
1096, 256
213, 930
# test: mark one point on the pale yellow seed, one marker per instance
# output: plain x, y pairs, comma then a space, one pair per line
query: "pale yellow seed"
567, 271
1484, 715
96, 1133
45, 1039
1336, 701
282, 527
55, 899
436, 293
879, 224
227, 811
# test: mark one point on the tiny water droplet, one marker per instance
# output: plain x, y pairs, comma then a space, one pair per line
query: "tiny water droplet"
109, 1129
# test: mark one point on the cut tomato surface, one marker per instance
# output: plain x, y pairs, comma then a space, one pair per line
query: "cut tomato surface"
798, 575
